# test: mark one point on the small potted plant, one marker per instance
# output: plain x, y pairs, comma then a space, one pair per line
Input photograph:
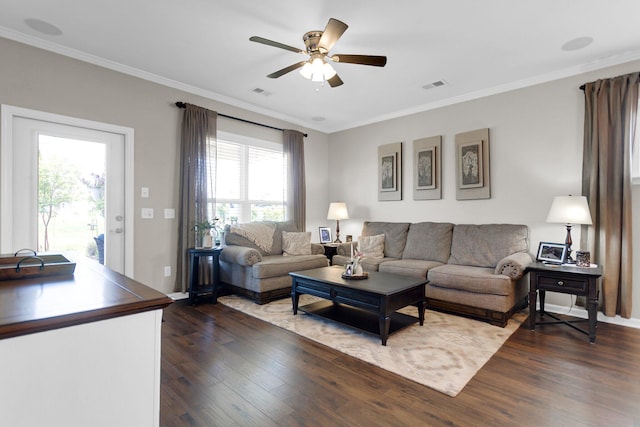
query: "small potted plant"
203, 232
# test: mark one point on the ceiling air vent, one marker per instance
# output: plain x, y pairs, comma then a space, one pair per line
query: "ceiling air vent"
261, 91
435, 84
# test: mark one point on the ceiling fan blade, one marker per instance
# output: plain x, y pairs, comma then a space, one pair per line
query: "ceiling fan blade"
331, 34
276, 44
377, 61
286, 70
335, 81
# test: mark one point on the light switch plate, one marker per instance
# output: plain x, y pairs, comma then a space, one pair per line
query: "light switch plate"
146, 213
144, 192
169, 213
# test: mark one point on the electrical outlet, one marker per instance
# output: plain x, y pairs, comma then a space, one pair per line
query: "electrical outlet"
167, 271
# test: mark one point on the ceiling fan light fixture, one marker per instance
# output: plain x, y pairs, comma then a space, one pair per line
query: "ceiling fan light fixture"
317, 66
328, 71
306, 71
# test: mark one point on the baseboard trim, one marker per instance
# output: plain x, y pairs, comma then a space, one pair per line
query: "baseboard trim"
582, 313
178, 295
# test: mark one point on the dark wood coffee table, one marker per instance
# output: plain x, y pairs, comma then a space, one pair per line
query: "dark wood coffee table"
368, 304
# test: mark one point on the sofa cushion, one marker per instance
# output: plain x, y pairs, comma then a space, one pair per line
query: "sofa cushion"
486, 244
373, 264
395, 235
276, 248
472, 279
409, 267
429, 241
279, 265
371, 246
296, 243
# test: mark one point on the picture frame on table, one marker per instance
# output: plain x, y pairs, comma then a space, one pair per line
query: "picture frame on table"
325, 234
552, 253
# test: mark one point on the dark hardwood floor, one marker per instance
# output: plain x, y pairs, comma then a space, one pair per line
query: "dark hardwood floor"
221, 367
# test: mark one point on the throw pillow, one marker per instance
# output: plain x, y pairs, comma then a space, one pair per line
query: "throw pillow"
372, 246
296, 243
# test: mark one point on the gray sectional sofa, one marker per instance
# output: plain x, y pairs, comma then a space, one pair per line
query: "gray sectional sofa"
473, 270
260, 269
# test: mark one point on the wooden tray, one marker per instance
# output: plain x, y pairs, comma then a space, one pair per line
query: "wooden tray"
362, 276
25, 265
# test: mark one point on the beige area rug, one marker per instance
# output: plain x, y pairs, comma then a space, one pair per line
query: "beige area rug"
444, 354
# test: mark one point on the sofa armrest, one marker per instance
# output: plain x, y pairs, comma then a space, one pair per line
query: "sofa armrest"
345, 248
514, 265
240, 255
317, 249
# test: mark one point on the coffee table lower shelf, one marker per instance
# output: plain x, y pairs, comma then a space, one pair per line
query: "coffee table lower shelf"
358, 318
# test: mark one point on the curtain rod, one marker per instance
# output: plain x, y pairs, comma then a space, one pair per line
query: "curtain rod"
181, 104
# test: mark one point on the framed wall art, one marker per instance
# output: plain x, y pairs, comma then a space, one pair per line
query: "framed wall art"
390, 171
470, 157
472, 165
426, 168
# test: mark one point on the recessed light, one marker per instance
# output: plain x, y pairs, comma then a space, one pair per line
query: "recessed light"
43, 27
318, 119
577, 43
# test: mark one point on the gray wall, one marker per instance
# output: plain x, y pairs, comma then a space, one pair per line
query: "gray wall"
536, 137
536, 151
40, 80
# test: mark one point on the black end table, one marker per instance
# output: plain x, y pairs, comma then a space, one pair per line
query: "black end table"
330, 249
566, 279
197, 289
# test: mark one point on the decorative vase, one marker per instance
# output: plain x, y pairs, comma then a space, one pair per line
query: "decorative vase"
207, 241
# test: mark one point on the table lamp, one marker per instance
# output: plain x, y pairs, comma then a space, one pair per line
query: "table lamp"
338, 211
569, 210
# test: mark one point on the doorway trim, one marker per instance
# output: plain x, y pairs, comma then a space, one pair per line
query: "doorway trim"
8, 113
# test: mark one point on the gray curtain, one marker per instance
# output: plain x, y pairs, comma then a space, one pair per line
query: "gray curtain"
293, 148
196, 181
609, 131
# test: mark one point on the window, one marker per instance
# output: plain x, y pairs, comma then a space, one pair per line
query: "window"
251, 180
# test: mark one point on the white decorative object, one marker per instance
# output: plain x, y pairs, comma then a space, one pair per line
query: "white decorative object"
207, 241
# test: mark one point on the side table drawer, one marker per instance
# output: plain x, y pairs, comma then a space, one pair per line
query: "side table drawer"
562, 285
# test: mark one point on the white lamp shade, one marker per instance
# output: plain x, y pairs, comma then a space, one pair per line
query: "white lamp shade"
338, 210
569, 210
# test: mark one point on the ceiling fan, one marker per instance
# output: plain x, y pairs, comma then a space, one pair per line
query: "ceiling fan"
318, 44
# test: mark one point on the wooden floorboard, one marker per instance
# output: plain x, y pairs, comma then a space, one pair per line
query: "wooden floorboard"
221, 367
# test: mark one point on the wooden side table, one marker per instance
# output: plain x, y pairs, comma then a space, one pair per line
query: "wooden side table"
582, 281
197, 289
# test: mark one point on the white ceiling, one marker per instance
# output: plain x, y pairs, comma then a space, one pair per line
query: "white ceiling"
479, 47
